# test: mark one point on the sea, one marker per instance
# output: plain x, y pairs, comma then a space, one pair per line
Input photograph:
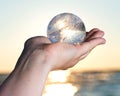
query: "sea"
84, 84
87, 84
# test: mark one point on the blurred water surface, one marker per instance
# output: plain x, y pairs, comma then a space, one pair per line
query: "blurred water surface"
86, 84
81, 84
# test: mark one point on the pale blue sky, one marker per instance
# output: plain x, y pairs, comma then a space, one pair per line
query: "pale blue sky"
21, 19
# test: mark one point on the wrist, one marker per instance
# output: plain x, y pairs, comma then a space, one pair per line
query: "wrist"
29, 75
34, 62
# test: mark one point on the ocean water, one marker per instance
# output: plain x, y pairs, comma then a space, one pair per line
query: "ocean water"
99, 84
83, 84
86, 84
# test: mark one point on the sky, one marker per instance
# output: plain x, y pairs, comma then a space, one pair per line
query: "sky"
22, 19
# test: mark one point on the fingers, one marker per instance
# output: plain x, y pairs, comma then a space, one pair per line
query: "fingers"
93, 39
94, 33
86, 47
91, 32
93, 43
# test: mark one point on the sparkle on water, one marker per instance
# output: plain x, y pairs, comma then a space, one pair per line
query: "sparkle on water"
60, 90
66, 27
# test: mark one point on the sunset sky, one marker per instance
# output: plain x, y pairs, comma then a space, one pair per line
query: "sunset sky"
22, 19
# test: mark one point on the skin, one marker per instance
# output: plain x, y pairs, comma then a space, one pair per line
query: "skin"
39, 57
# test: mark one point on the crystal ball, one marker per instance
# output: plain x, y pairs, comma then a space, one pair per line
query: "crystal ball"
66, 27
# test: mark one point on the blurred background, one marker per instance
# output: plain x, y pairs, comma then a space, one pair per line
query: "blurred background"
97, 75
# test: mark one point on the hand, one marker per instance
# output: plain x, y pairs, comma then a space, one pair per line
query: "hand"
60, 56
39, 57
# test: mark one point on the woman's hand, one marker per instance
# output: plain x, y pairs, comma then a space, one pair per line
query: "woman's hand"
39, 57
60, 56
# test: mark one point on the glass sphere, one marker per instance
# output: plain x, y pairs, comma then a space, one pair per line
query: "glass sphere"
66, 27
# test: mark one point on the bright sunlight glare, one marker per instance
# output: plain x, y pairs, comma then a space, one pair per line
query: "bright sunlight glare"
60, 90
58, 76
60, 24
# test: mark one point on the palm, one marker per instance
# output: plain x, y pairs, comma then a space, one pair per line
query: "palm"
67, 55
62, 55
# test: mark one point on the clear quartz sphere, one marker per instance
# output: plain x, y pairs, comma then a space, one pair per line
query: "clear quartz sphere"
66, 27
